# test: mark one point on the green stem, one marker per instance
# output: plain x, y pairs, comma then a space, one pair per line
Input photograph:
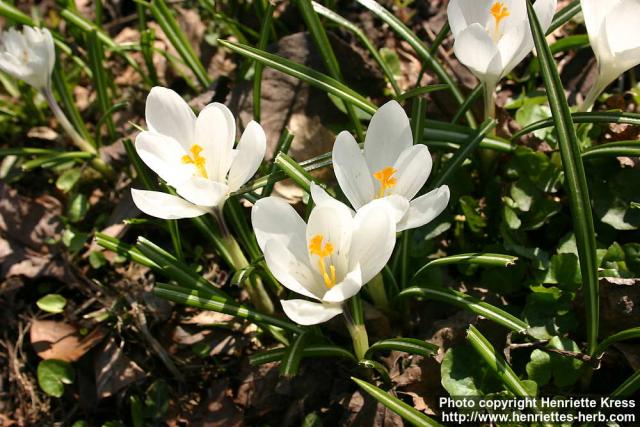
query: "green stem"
377, 292
354, 320
97, 163
488, 157
257, 293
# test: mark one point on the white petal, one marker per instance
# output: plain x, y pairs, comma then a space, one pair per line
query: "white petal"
425, 208
320, 196
388, 135
344, 290
332, 221
412, 170
622, 27
216, 134
274, 218
291, 271
168, 114
249, 155
165, 206
514, 46
352, 172
164, 156
396, 205
463, 13
203, 192
374, 238
309, 313
477, 50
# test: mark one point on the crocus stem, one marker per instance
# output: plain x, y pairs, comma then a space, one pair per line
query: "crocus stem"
378, 293
97, 163
257, 293
591, 98
487, 157
354, 320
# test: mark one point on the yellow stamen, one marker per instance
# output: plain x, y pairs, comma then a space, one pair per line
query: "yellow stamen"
386, 179
323, 251
196, 159
499, 12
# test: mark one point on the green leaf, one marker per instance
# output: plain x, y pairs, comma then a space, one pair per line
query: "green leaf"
68, 179
564, 16
408, 413
78, 207
468, 303
53, 375
566, 370
97, 260
548, 312
52, 303
463, 374
564, 272
407, 345
497, 364
473, 217
539, 368
575, 179
304, 73
74, 240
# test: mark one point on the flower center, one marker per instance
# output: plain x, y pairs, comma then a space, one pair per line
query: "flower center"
323, 251
386, 179
197, 160
499, 12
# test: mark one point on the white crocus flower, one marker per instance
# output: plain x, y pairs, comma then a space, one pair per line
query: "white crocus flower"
492, 37
328, 259
614, 34
194, 155
28, 56
391, 168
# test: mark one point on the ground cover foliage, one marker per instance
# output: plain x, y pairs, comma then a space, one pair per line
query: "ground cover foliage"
113, 317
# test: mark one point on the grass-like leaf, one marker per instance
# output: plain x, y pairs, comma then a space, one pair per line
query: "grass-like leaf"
304, 73
348, 25
207, 301
627, 334
478, 258
629, 387
564, 16
575, 179
407, 345
469, 303
293, 356
100, 82
613, 149
175, 269
463, 153
497, 363
421, 50
604, 117
179, 40
408, 413
308, 351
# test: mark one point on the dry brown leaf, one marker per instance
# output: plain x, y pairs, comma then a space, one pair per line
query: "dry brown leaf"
61, 341
209, 318
218, 410
114, 371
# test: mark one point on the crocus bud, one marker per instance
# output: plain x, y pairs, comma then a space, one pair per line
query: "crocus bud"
28, 56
